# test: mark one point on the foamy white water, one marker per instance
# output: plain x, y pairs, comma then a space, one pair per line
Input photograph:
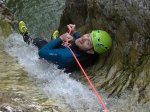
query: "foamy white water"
56, 84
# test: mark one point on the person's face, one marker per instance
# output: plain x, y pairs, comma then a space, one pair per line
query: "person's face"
85, 43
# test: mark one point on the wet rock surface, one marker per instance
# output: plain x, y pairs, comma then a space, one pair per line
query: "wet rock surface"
17, 92
127, 65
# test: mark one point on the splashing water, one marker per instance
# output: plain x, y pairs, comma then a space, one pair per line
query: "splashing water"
59, 86
53, 82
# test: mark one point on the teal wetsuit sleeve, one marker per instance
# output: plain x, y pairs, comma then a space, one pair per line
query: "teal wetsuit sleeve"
52, 44
49, 51
76, 35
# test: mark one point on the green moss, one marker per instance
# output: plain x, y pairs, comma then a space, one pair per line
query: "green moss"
5, 29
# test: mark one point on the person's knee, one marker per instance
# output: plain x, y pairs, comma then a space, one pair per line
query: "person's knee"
39, 43
41, 53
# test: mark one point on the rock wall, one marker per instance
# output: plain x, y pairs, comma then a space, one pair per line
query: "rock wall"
6, 21
127, 66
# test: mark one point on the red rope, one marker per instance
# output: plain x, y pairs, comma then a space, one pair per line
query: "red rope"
86, 76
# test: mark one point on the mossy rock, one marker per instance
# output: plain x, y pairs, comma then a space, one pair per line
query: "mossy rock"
5, 29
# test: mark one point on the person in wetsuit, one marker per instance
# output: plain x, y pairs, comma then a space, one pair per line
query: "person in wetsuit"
86, 47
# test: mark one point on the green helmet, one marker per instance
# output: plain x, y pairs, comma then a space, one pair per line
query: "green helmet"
101, 41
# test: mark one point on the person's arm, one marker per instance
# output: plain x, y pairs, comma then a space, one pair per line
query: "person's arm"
53, 55
52, 44
76, 35
72, 28
49, 52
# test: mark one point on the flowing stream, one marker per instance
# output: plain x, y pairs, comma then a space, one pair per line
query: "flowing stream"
42, 17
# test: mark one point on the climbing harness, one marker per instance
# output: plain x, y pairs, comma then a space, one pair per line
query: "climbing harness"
86, 76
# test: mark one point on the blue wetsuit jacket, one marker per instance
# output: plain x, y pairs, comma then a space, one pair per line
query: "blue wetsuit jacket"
58, 54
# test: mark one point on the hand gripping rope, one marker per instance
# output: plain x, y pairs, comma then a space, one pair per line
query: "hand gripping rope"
86, 76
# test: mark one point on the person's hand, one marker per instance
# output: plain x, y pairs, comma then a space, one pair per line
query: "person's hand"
71, 27
64, 37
